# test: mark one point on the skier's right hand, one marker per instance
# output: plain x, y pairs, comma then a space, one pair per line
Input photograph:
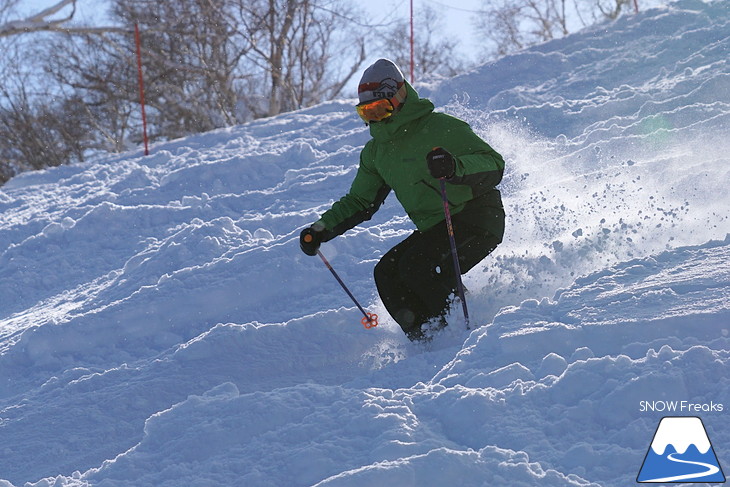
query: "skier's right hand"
311, 238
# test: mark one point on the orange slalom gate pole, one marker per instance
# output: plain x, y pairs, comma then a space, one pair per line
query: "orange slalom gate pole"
138, 42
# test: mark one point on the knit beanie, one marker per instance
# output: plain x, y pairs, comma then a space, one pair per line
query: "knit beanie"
381, 80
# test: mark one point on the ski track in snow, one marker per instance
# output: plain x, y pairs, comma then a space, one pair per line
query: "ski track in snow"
160, 327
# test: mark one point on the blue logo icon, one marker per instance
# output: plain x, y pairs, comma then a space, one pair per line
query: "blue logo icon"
680, 452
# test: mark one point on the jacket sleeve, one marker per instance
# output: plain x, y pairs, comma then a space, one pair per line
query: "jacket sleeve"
366, 195
477, 164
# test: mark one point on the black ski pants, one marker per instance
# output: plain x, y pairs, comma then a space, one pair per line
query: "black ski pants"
416, 278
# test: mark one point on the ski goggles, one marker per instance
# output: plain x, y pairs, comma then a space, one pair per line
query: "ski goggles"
375, 110
382, 108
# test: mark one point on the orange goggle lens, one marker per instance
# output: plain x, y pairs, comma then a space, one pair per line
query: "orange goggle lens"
376, 110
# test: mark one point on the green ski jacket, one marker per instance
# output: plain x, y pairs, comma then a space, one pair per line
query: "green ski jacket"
395, 159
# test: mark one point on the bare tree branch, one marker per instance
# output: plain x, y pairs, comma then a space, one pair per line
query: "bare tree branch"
512, 25
41, 16
41, 22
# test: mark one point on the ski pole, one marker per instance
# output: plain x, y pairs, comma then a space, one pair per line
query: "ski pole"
454, 254
370, 320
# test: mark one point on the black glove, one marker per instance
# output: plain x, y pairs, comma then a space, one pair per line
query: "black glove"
311, 238
441, 163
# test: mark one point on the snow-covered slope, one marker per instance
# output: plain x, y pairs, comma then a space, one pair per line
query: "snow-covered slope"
160, 327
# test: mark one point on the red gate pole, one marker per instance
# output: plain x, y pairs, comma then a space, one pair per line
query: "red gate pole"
412, 80
141, 87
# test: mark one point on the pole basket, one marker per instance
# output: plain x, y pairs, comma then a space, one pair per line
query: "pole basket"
369, 321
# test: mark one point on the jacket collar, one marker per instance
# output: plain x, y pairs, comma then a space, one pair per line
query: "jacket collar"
413, 108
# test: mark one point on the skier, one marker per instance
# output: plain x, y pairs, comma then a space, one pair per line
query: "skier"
412, 147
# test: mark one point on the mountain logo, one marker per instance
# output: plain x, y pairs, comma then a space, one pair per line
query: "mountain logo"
680, 452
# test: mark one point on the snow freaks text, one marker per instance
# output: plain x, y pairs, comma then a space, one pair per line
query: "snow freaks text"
680, 407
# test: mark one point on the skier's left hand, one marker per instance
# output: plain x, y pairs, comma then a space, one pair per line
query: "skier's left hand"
441, 163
